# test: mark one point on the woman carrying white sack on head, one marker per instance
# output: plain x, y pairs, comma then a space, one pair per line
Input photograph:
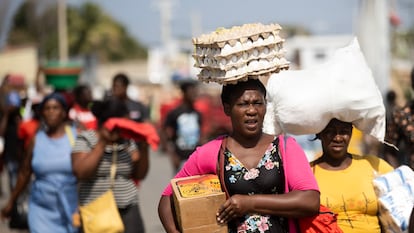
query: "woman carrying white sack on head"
328, 101
304, 101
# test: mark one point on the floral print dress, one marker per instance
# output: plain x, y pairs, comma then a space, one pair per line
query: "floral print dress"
266, 178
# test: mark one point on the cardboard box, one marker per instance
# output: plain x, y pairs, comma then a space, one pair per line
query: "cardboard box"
196, 201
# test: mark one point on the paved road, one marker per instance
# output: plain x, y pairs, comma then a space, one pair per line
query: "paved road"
149, 193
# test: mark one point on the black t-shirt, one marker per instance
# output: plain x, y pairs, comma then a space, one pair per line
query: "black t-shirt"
137, 111
186, 123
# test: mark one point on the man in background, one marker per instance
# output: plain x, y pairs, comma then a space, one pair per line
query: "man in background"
80, 112
183, 126
137, 111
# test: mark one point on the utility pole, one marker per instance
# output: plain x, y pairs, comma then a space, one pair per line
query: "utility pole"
165, 7
374, 38
62, 31
195, 24
165, 14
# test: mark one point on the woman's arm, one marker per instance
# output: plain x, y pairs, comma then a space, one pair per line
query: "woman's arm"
141, 165
165, 213
411, 223
25, 172
294, 204
85, 163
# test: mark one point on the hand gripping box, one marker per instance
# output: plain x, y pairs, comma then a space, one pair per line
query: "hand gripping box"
196, 201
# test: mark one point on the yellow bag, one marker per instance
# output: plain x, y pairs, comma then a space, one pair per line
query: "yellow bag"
102, 215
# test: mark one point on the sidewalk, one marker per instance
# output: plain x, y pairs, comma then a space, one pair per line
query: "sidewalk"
149, 193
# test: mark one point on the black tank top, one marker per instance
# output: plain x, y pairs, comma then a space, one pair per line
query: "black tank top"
266, 178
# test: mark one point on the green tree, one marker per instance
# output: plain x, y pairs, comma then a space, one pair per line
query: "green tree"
90, 31
403, 44
35, 23
294, 30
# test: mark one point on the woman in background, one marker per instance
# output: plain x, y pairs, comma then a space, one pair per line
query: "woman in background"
92, 158
53, 195
345, 180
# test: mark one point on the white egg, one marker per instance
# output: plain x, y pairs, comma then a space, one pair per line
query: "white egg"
234, 59
255, 52
270, 39
198, 50
249, 43
238, 46
226, 49
253, 64
223, 61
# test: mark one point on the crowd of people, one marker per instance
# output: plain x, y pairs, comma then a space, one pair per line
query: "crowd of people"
62, 157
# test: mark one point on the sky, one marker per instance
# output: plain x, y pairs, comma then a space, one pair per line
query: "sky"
193, 17
142, 17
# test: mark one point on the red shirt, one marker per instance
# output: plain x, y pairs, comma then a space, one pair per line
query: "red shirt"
83, 116
27, 130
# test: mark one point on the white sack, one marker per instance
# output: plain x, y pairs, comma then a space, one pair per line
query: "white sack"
304, 101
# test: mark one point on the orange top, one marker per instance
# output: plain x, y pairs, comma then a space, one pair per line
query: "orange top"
27, 130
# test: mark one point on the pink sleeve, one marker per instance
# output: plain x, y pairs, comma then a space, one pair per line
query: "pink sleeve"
202, 161
298, 173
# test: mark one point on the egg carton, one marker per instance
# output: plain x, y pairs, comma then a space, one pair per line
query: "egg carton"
252, 66
224, 78
240, 59
223, 36
238, 45
229, 55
